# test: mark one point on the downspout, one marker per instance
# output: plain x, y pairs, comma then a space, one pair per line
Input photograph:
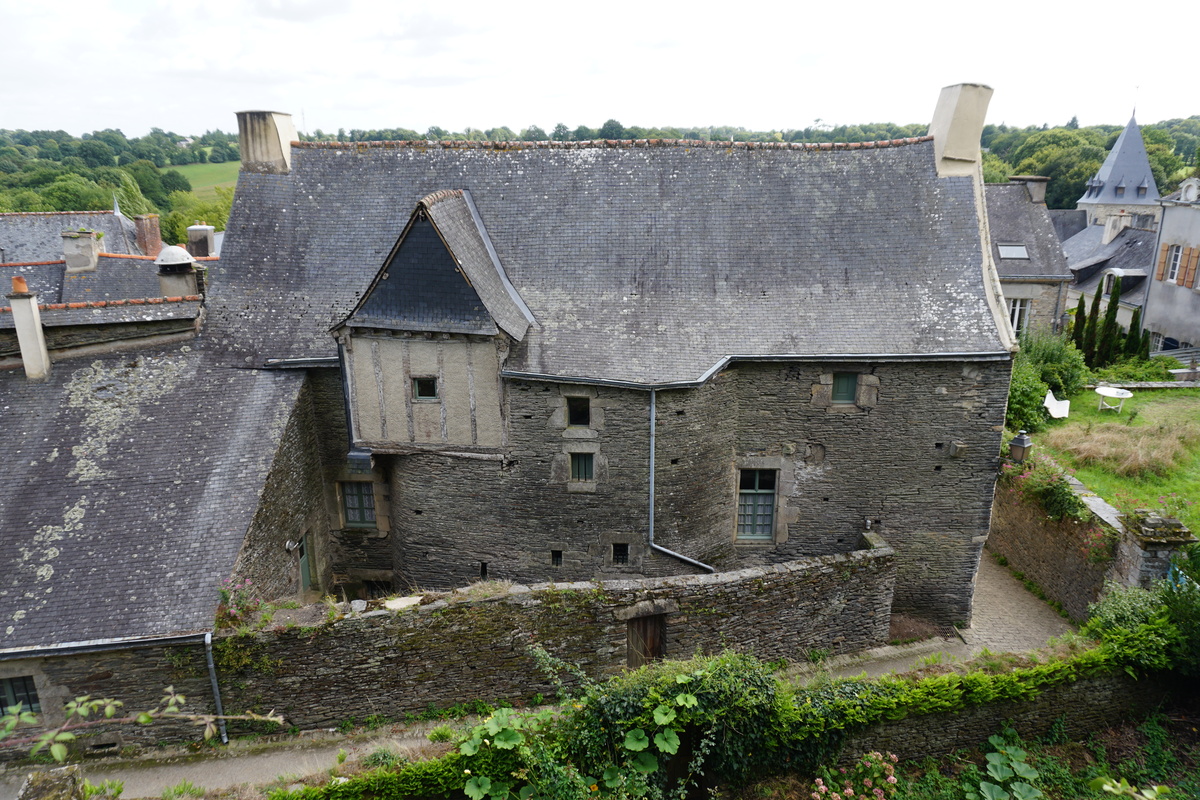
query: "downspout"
653, 546
212, 676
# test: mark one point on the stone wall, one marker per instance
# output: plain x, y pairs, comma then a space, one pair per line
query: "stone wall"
1086, 706
463, 646
134, 676
1061, 556
916, 462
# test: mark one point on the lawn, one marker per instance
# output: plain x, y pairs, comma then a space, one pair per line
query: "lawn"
1151, 450
205, 178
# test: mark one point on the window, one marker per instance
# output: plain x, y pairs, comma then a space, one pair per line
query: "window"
556, 558
1174, 257
1018, 313
1109, 280
845, 386
579, 412
756, 505
1156, 341
620, 553
582, 467
358, 504
21, 690
1013, 251
425, 388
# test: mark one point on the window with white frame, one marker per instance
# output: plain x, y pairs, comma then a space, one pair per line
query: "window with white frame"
1174, 258
1013, 251
1018, 313
358, 503
756, 505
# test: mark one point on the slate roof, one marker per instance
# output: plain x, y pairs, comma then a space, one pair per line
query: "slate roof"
128, 490
1127, 167
1015, 219
641, 262
37, 236
1131, 250
1068, 221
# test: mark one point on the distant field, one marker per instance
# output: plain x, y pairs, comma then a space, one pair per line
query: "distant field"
205, 178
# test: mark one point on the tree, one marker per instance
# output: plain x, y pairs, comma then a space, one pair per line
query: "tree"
534, 134
584, 134
612, 130
174, 181
561, 133
1133, 340
96, 153
1109, 342
1079, 323
501, 134
1089, 333
1073, 124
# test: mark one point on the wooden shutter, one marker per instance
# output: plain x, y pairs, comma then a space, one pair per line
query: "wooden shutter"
1162, 263
647, 639
1190, 257
1181, 273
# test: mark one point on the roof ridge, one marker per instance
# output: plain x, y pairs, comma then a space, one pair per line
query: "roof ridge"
144, 258
598, 144
107, 303
433, 198
49, 213
30, 263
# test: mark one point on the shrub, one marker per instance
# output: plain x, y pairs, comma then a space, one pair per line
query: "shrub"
1041, 480
1059, 364
1135, 369
1026, 394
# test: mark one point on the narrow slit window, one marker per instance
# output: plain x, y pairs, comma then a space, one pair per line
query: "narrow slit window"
582, 466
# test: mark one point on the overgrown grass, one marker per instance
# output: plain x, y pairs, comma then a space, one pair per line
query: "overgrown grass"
205, 178
1151, 450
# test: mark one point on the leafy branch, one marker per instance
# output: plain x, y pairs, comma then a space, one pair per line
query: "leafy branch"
85, 712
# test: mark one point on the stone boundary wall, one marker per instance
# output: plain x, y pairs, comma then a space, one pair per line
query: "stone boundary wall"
1085, 706
464, 646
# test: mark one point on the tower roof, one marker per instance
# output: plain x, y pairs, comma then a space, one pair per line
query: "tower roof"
1125, 178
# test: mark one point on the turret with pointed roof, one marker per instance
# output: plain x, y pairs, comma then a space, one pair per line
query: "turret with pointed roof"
1125, 183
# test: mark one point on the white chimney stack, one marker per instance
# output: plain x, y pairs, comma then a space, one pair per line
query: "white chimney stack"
81, 250
265, 141
32, 340
957, 127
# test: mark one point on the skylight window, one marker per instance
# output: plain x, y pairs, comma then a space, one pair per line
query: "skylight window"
1013, 251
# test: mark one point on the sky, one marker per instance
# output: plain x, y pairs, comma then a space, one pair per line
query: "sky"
134, 64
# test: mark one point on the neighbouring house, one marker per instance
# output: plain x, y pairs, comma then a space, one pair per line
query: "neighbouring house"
1028, 253
1172, 311
1122, 214
32, 237
422, 364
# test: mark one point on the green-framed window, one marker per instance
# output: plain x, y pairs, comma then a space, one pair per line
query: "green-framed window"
583, 467
845, 387
358, 503
756, 505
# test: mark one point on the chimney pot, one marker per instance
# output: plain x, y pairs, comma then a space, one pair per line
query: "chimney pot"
81, 250
149, 234
19, 285
30, 336
1035, 185
200, 240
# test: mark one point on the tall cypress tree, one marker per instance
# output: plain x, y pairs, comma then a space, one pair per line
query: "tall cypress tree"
1079, 324
1089, 333
1109, 337
1133, 340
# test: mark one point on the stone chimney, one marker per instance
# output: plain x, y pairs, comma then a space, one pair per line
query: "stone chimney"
200, 239
265, 141
1035, 185
957, 127
176, 272
30, 336
1114, 225
149, 236
81, 249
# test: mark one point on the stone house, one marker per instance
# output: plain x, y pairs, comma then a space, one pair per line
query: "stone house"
1028, 253
422, 364
1172, 311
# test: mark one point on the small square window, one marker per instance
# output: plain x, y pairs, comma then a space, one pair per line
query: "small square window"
582, 466
21, 690
425, 388
358, 504
845, 386
579, 412
556, 558
620, 553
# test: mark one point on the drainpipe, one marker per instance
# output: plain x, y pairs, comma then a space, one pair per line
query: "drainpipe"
653, 546
212, 676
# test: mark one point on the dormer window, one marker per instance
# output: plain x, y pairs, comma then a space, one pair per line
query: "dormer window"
1120, 189
1013, 251
1109, 280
